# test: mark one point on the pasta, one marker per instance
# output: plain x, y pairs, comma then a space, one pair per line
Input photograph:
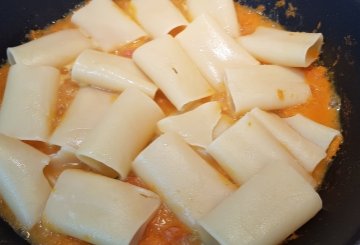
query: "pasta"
223, 11
308, 153
268, 87
125, 207
164, 165
124, 131
22, 183
294, 49
45, 51
313, 131
29, 102
161, 129
97, 14
151, 16
85, 112
265, 210
110, 72
171, 69
247, 147
212, 49
196, 126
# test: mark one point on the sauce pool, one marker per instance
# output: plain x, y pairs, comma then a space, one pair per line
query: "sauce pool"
164, 228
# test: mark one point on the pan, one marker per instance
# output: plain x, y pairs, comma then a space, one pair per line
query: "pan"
339, 220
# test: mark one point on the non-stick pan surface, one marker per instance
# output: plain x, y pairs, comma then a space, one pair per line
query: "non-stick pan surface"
339, 20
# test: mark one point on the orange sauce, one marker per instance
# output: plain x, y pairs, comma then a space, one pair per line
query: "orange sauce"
249, 20
318, 108
4, 70
164, 228
65, 95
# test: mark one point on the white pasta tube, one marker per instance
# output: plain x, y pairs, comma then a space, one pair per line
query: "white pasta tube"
158, 17
294, 49
166, 63
223, 11
23, 186
111, 72
187, 184
313, 131
107, 24
195, 127
85, 112
56, 49
246, 147
212, 49
268, 87
306, 152
265, 210
97, 209
29, 102
123, 132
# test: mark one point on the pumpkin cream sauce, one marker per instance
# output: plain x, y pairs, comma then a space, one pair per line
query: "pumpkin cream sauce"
164, 228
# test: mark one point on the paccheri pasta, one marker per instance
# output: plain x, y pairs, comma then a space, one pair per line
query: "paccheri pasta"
187, 126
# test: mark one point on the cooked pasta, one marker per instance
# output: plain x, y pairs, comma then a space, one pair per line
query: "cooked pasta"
45, 51
126, 208
182, 178
294, 49
265, 210
120, 29
164, 61
110, 72
212, 49
22, 183
158, 17
85, 112
307, 153
29, 102
313, 131
268, 87
223, 11
164, 122
247, 147
195, 127
124, 131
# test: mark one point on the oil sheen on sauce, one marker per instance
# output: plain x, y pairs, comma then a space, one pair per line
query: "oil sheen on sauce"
165, 228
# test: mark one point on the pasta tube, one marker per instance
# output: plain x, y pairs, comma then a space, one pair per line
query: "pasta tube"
182, 178
107, 24
97, 209
56, 49
85, 112
247, 147
265, 210
111, 72
267, 87
305, 151
165, 62
294, 49
22, 184
195, 127
223, 11
29, 102
212, 49
313, 131
158, 17
123, 132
